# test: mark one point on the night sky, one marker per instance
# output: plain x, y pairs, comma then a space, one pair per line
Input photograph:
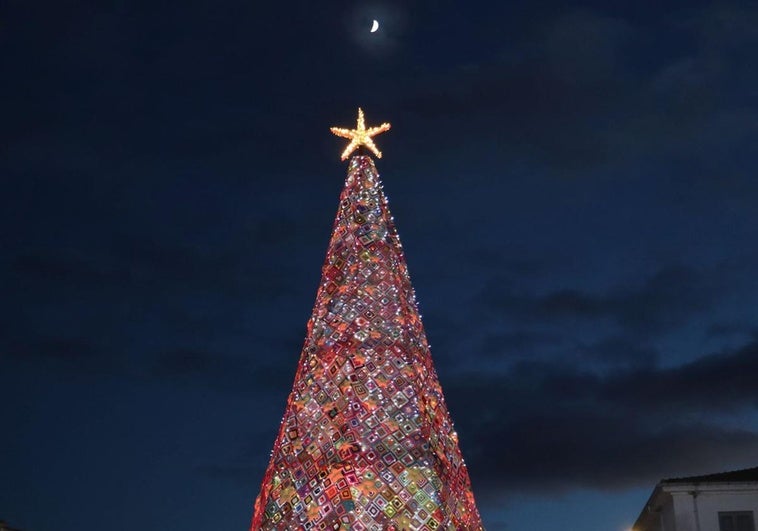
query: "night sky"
574, 184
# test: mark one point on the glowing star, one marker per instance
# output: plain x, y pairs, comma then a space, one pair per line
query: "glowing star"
360, 136
375, 26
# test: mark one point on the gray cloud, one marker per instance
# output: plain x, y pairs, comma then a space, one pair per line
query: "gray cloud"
719, 382
73, 355
620, 351
220, 372
574, 96
551, 424
243, 475
663, 301
566, 451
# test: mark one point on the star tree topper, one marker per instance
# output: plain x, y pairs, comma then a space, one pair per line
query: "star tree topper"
360, 136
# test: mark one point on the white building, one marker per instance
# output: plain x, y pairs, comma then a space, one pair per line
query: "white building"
716, 502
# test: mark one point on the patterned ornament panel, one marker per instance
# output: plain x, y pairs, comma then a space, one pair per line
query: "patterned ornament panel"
366, 442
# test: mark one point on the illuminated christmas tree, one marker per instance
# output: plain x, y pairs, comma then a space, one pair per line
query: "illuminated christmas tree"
366, 442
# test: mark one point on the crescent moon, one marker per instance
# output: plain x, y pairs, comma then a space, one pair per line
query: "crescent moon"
374, 26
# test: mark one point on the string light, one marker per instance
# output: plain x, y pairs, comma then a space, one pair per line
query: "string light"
366, 441
360, 136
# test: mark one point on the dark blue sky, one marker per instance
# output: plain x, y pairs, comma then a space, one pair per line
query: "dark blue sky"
574, 184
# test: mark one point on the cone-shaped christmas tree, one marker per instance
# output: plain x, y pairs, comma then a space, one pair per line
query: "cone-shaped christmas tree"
366, 442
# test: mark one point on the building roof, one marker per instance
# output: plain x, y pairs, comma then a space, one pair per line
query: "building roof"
746, 474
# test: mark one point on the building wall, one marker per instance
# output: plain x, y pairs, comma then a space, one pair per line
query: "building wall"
710, 500
684, 513
711, 503
667, 516
661, 518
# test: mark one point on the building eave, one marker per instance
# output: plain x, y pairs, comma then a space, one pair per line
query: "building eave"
708, 486
651, 508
